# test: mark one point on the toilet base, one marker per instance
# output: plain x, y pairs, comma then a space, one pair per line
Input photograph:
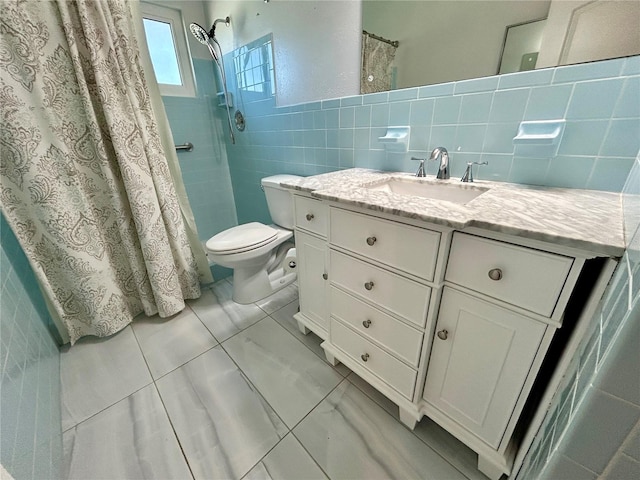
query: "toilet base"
250, 285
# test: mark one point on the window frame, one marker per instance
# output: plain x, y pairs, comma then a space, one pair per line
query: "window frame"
173, 17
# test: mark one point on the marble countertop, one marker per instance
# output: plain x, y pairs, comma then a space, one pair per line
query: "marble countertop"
585, 219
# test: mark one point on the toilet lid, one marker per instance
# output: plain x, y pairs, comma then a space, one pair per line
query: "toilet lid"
241, 238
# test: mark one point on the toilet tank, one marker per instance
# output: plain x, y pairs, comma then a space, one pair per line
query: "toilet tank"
279, 199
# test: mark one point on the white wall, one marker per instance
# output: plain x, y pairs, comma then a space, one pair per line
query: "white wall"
605, 29
316, 43
442, 41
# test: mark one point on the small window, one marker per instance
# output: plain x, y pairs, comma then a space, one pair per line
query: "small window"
167, 44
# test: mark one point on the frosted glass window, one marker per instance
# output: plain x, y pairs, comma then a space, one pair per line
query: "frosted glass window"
162, 51
167, 43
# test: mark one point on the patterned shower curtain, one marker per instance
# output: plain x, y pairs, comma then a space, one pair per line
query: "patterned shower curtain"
377, 57
85, 183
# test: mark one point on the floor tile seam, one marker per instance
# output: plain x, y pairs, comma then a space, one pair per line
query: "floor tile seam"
318, 404
153, 378
185, 363
287, 331
240, 330
277, 309
311, 350
410, 431
256, 389
208, 329
142, 352
265, 455
108, 407
326, 474
245, 328
173, 429
302, 420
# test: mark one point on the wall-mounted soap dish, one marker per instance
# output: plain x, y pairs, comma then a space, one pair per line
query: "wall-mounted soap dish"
396, 140
538, 138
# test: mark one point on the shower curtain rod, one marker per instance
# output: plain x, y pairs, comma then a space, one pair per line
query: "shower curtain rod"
395, 43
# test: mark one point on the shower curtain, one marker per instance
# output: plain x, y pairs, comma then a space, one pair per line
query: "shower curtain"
377, 56
85, 181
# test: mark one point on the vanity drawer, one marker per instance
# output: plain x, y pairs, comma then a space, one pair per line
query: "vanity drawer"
411, 249
522, 276
388, 368
398, 295
399, 338
311, 214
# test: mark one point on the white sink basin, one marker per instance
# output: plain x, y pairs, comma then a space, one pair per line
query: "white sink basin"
437, 191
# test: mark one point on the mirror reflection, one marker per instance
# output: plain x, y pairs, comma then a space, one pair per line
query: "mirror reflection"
444, 41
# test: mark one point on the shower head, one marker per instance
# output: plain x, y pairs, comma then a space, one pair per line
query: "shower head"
200, 33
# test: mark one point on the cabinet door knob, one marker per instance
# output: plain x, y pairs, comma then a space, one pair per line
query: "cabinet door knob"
366, 323
368, 285
371, 240
495, 274
364, 357
325, 276
443, 334
309, 216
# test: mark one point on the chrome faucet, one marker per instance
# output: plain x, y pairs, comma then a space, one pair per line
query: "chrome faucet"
468, 174
440, 154
421, 172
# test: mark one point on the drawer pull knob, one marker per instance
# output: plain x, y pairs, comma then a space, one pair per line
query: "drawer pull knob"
309, 217
495, 274
371, 240
366, 323
325, 276
443, 334
368, 285
364, 357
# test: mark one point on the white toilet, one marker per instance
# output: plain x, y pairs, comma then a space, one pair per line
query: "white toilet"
262, 258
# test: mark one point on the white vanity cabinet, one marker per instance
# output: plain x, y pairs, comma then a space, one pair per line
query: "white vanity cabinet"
453, 325
312, 258
480, 359
381, 294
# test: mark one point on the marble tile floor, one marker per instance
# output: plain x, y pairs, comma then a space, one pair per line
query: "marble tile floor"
228, 391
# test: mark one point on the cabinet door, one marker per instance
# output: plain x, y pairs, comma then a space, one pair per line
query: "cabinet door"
479, 362
311, 253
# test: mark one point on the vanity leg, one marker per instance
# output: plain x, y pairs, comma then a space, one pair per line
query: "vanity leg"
408, 419
303, 329
490, 469
331, 359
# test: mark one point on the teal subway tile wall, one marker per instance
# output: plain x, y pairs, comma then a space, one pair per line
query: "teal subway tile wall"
475, 120
205, 169
31, 442
592, 429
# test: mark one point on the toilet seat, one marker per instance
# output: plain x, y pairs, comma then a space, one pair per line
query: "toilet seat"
242, 238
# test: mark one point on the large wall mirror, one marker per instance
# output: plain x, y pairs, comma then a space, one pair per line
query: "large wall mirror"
443, 41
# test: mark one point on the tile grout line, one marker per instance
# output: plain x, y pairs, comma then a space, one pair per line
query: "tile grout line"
290, 430
258, 392
332, 390
164, 407
399, 422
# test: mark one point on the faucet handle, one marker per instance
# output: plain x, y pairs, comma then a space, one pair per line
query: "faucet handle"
421, 172
468, 174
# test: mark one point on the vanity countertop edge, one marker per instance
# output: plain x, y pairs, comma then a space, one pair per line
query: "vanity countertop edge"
585, 219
